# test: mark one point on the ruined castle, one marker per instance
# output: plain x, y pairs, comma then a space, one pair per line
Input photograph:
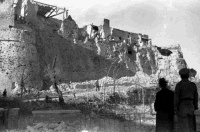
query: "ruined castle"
31, 39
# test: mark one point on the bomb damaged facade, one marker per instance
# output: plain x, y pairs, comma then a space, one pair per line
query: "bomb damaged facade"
30, 39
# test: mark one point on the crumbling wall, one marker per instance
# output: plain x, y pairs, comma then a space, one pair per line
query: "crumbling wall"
120, 46
68, 28
169, 66
29, 11
105, 30
18, 54
6, 14
28, 47
75, 61
17, 51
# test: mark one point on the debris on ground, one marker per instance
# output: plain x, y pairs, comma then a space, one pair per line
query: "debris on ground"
45, 127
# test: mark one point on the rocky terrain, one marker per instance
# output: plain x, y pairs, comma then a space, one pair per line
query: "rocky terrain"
30, 43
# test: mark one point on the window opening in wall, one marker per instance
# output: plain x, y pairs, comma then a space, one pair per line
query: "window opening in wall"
129, 51
95, 28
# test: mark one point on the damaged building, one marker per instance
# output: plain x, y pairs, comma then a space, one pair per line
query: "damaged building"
30, 39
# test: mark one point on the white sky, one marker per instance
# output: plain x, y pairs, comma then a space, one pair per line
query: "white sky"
165, 21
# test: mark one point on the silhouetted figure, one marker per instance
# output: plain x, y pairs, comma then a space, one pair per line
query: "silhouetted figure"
185, 102
164, 107
74, 94
4, 93
97, 85
47, 99
193, 72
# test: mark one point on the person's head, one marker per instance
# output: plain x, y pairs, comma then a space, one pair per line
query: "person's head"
162, 83
184, 73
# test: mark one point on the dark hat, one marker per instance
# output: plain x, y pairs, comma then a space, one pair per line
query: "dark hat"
193, 72
184, 71
162, 82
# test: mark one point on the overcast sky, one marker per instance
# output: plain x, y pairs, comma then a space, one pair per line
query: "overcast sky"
166, 22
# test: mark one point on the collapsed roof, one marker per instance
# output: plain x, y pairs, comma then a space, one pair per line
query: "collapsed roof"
47, 10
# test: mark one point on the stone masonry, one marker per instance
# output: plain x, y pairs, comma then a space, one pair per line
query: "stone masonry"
29, 42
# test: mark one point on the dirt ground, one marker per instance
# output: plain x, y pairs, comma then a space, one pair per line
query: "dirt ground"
105, 114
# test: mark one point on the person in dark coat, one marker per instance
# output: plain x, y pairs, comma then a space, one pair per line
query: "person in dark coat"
164, 107
185, 103
4, 93
97, 85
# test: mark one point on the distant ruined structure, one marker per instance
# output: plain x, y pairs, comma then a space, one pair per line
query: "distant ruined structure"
30, 39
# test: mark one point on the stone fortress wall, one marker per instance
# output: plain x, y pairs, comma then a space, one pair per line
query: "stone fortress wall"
29, 43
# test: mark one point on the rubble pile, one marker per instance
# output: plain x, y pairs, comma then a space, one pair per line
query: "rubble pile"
48, 127
44, 127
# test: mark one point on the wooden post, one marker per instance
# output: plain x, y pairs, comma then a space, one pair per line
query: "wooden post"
104, 91
114, 85
61, 100
87, 91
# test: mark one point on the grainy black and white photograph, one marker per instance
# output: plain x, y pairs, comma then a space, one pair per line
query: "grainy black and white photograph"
99, 65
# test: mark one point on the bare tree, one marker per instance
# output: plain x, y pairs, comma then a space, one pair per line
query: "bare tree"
20, 76
21, 82
115, 73
52, 74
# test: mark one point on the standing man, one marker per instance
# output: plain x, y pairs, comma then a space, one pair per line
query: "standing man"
97, 85
185, 103
4, 93
164, 108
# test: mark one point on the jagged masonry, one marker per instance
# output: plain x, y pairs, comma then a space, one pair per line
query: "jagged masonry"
29, 42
